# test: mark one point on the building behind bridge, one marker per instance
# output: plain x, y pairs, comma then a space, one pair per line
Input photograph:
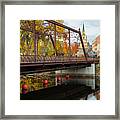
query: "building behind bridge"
96, 45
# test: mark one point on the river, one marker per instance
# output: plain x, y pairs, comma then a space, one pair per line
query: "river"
37, 81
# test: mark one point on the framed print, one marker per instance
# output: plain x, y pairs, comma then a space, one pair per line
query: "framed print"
59, 59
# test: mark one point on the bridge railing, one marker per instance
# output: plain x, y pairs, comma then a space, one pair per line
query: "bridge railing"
53, 59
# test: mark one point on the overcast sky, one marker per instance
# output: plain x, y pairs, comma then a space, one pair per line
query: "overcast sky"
92, 27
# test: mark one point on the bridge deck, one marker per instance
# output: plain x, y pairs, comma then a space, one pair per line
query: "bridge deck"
30, 64
54, 64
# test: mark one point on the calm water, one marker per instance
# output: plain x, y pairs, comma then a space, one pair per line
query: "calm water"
36, 81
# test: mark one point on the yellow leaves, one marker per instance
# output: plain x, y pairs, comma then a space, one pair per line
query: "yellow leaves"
60, 21
40, 44
26, 24
58, 45
59, 29
37, 28
37, 22
51, 50
39, 25
26, 43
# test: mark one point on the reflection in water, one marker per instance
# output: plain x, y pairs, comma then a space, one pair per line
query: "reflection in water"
36, 81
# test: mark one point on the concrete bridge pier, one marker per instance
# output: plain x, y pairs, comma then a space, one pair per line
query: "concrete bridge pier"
86, 75
89, 74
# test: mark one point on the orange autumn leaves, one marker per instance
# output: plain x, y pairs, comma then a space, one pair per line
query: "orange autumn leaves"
73, 48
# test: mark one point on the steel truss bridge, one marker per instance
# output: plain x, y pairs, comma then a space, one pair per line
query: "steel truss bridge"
36, 63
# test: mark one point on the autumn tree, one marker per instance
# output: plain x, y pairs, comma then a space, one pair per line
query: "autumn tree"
39, 30
74, 48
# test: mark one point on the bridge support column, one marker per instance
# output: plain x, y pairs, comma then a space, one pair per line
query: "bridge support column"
89, 74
